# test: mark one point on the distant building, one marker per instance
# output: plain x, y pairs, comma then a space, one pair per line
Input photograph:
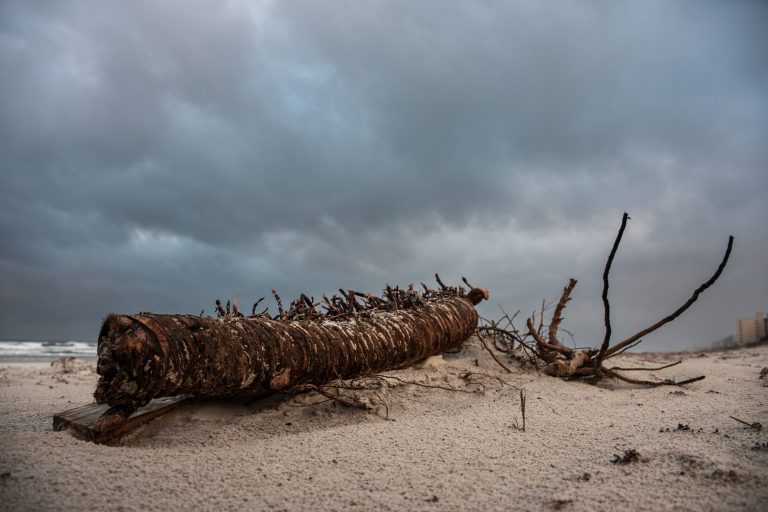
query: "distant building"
750, 330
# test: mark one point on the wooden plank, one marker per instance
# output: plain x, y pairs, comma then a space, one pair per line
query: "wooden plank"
83, 421
80, 412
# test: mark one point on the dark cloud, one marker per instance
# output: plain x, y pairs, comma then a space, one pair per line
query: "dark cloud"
156, 155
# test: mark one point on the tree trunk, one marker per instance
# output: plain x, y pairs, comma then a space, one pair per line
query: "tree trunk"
145, 356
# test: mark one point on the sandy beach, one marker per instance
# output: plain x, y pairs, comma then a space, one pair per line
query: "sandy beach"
436, 450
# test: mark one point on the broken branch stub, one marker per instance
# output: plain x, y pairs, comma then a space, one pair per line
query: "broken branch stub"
145, 356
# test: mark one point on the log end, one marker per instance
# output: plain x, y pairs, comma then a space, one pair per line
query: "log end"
125, 350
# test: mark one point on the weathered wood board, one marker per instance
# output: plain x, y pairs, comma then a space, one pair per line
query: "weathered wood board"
82, 421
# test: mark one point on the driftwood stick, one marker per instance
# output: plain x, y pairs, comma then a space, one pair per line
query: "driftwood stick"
756, 425
740, 421
688, 381
647, 369
652, 383
679, 311
606, 304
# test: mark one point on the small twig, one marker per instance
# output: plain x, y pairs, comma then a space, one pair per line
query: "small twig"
281, 312
652, 383
571, 336
522, 407
333, 391
510, 320
646, 369
485, 346
382, 402
420, 384
342, 399
255, 304
470, 376
756, 425
688, 381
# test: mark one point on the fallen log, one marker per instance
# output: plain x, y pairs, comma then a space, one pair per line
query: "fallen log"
145, 356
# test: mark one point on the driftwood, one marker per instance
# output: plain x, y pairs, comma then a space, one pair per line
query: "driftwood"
146, 355
543, 348
84, 422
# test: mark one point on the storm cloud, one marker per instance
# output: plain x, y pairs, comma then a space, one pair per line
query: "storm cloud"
158, 155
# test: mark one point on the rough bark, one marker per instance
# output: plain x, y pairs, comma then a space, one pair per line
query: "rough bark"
144, 356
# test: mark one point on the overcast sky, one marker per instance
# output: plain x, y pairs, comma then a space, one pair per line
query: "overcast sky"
158, 155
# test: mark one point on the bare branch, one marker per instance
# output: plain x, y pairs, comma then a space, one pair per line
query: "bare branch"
606, 304
682, 308
646, 369
652, 383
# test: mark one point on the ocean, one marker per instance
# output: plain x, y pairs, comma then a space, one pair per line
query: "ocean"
11, 349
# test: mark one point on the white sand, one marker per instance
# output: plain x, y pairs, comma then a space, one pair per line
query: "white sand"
439, 450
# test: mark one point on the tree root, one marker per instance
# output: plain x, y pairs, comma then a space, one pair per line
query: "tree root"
363, 392
568, 363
